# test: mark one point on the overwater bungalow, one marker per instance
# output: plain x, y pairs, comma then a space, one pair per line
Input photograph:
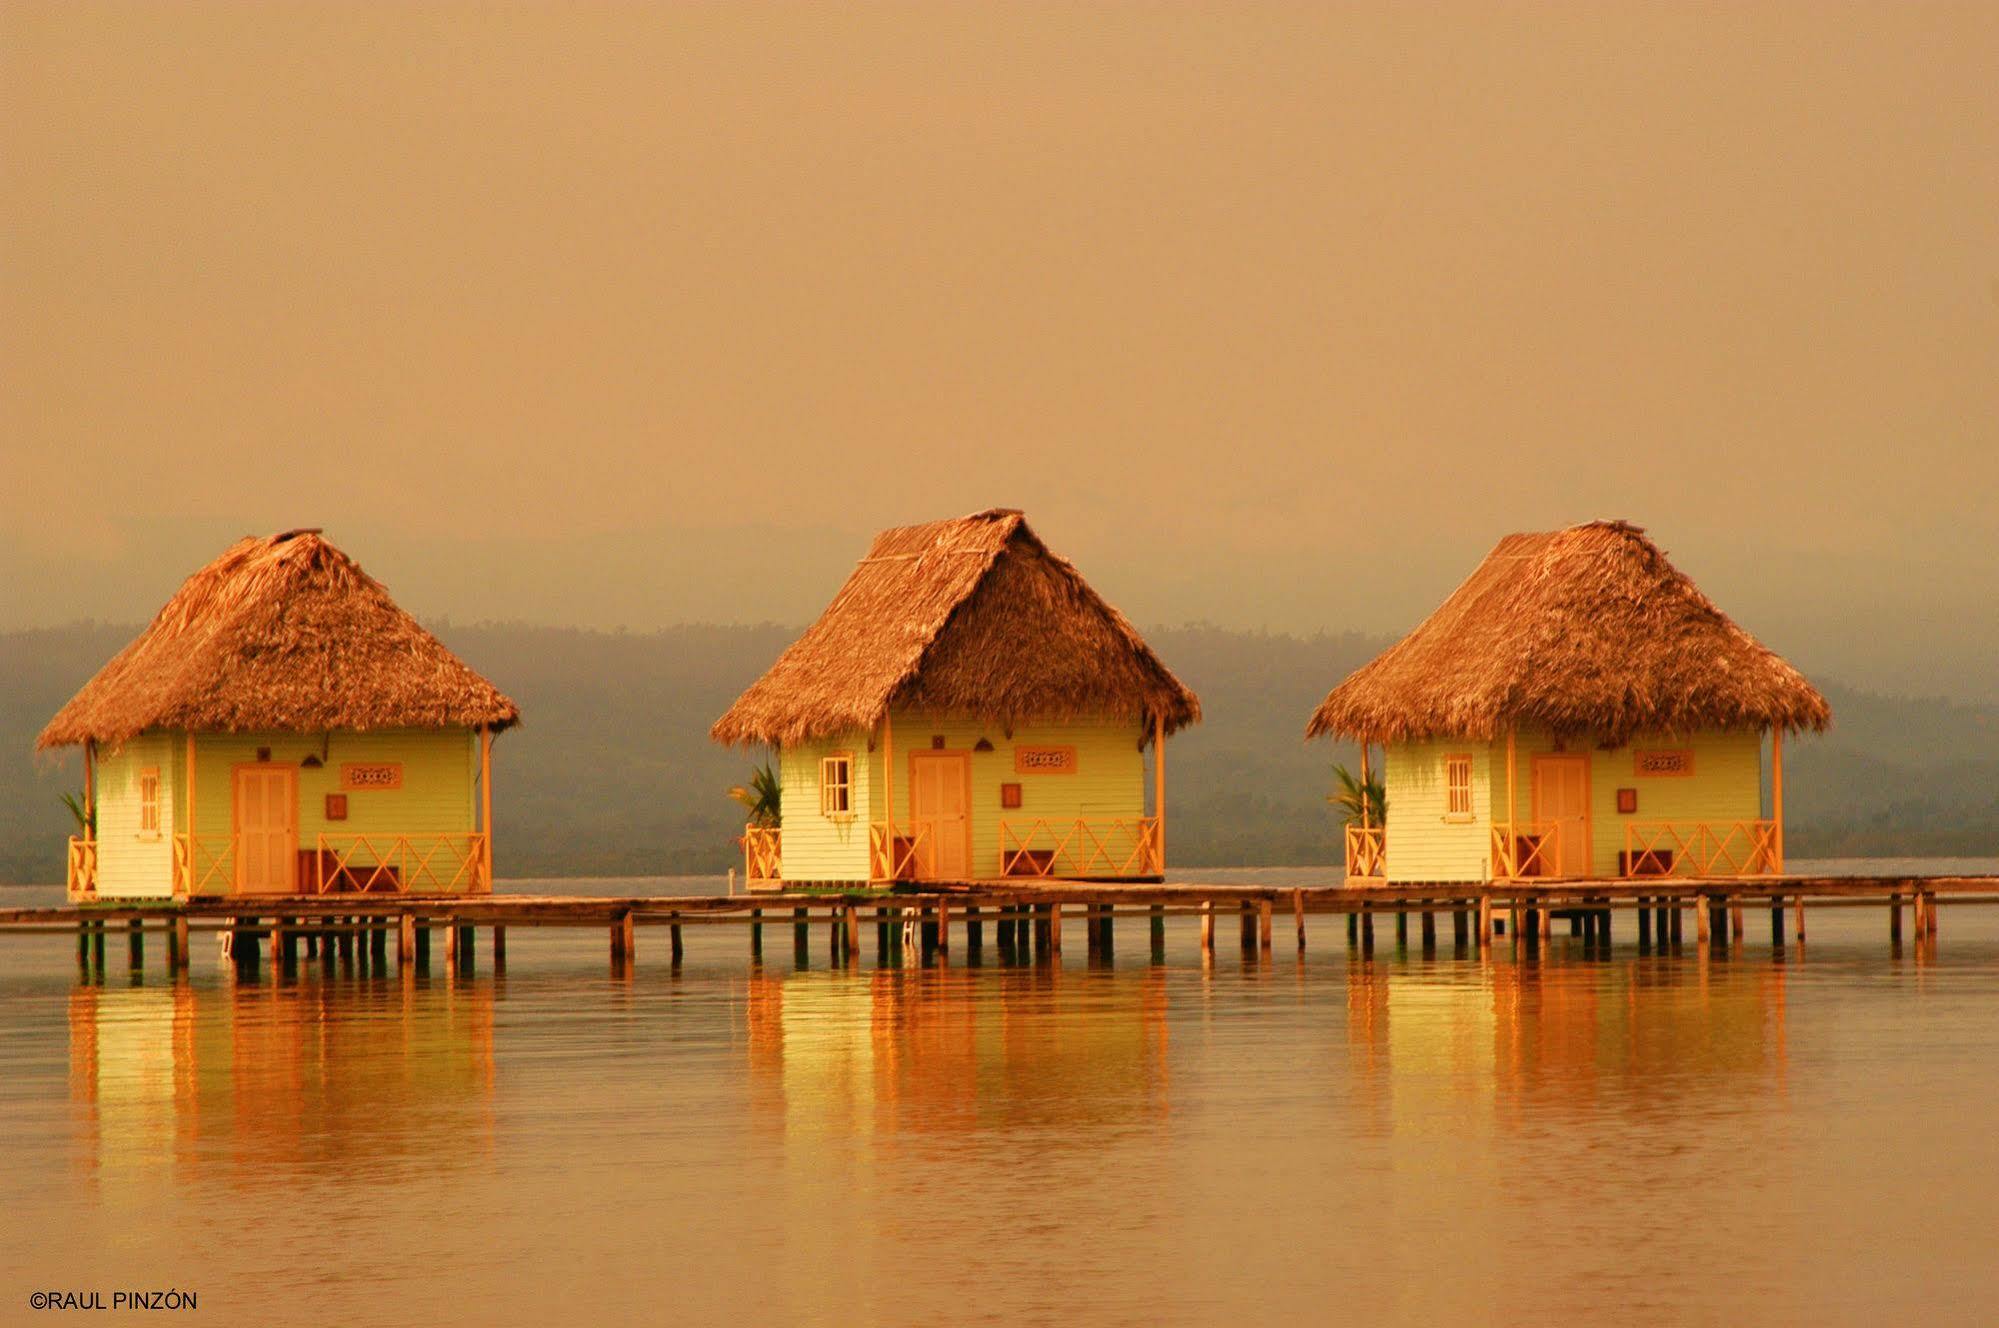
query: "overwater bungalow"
966, 708
282, 728
1577, 708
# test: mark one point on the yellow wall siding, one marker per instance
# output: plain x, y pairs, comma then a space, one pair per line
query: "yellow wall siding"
439, 793
131, 865
1726, 785
816, 847
1109, 784
1421, 844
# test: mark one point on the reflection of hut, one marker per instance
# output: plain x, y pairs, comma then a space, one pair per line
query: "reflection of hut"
1577, 708
936, 1050
967, 707
282, 727
167, 1073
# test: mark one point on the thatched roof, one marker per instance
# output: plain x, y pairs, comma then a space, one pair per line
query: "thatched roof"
969, 617
286, 633
1585, 631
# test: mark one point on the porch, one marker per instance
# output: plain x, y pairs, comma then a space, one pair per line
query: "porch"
333, 864
1086, 849
1530, 850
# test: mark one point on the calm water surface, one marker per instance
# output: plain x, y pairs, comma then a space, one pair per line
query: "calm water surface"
1771, 1136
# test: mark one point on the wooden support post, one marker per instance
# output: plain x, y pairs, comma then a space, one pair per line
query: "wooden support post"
884, 942
406, 939
1298, 915
853, 921
97, 949
1428, 921
1548, 921
624, 940
1485, 921
1736, 923
1157, 919
1264, 909
499, 948
135, 946
1107, 927
1247, 912
1801, 919
756, 935
486, 809
676, 945
1093, 932
1777, 921
1159, 788
177, 951
1703, 914
1208, 929
801, 938
1353, 929
975, 931
1644, 925
1460, 928
1367, 931
943, 927
347, 944
378, 946
422, 947
1895, 918
1676, 916
1402, 927
1777, 795
1055, 928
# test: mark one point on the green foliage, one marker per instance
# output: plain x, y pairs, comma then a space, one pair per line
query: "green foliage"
761, 796
1365, 804
86, 819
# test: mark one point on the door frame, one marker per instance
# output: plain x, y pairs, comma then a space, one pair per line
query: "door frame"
236, 824
1589, 818
962, 758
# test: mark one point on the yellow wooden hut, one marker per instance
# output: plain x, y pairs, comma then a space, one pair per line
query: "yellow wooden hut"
967, 708
280, 728
1577, 708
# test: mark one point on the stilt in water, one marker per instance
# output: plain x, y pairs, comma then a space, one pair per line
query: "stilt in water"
1248, 926
1157, 920
378, 945
1265, 911
1460, 928
975, 933
1208, 930
1401, 929
756, 935
177, 952
1895, 919
801, 939
1429, 932
676, 944
1801, 919
406, 940
1367, 932
467, 957
499, 948
1777, 921
1676, 916
135, 946
1644, 927
852, 917
1703, 920
422, 950
1353, 929
884, 942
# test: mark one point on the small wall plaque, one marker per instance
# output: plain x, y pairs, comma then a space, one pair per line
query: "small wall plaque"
336, 806
1668, 762
1627, 801
356, 776
1009, 795
1044, 760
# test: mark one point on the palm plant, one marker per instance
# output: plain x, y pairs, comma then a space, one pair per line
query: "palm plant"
760, 795
86, 817
1360, 803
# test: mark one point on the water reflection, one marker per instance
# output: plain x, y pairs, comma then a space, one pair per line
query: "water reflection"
949, 1051
247, 1084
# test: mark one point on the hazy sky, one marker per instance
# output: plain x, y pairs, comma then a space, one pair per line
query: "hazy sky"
1269, 315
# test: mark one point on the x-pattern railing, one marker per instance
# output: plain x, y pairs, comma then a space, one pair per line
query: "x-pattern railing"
402, 864
1525, 848
204, 864
1107, 847
82, 867
909, 844
1700, 848
763, 858
1367, 851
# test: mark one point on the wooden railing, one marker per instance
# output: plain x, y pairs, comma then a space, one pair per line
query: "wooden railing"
1700, 848
901, 864
1367, 852
421, 864
1081, 848
82, 867
204, 864
763, 858
1525, 848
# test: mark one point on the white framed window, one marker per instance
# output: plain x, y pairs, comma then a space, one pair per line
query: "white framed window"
149, 803
1457, 787
836, 784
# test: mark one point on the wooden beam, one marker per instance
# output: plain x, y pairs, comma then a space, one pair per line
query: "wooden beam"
89, 788
888, 793
192, 859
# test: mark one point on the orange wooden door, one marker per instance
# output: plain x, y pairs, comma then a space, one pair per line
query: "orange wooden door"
266, 829
940, 806
1561, 798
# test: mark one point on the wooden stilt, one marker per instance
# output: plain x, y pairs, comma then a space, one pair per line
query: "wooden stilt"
1895, 918
1208, 929
1485, 921
1107, 926
1402, 927
1298, 915
405, 939
177, 951
676, 944
499, 948
975, 931
378, 946
943, 927
1055, 928
1264, 909
801, 939
1248, 917
135, 946
1367, 931
1777, 921
1801, 919
1644, 926
1157, 919
1429, 922
1460, 928
1353, 929
1702, 916
1548, 922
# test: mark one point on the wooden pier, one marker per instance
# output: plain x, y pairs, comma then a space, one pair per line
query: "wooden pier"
1026, 920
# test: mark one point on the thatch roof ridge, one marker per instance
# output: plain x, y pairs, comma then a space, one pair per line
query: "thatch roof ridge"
918, 623
1586, 630
283, 633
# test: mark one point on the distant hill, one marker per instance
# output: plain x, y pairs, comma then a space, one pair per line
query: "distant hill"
613, 773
